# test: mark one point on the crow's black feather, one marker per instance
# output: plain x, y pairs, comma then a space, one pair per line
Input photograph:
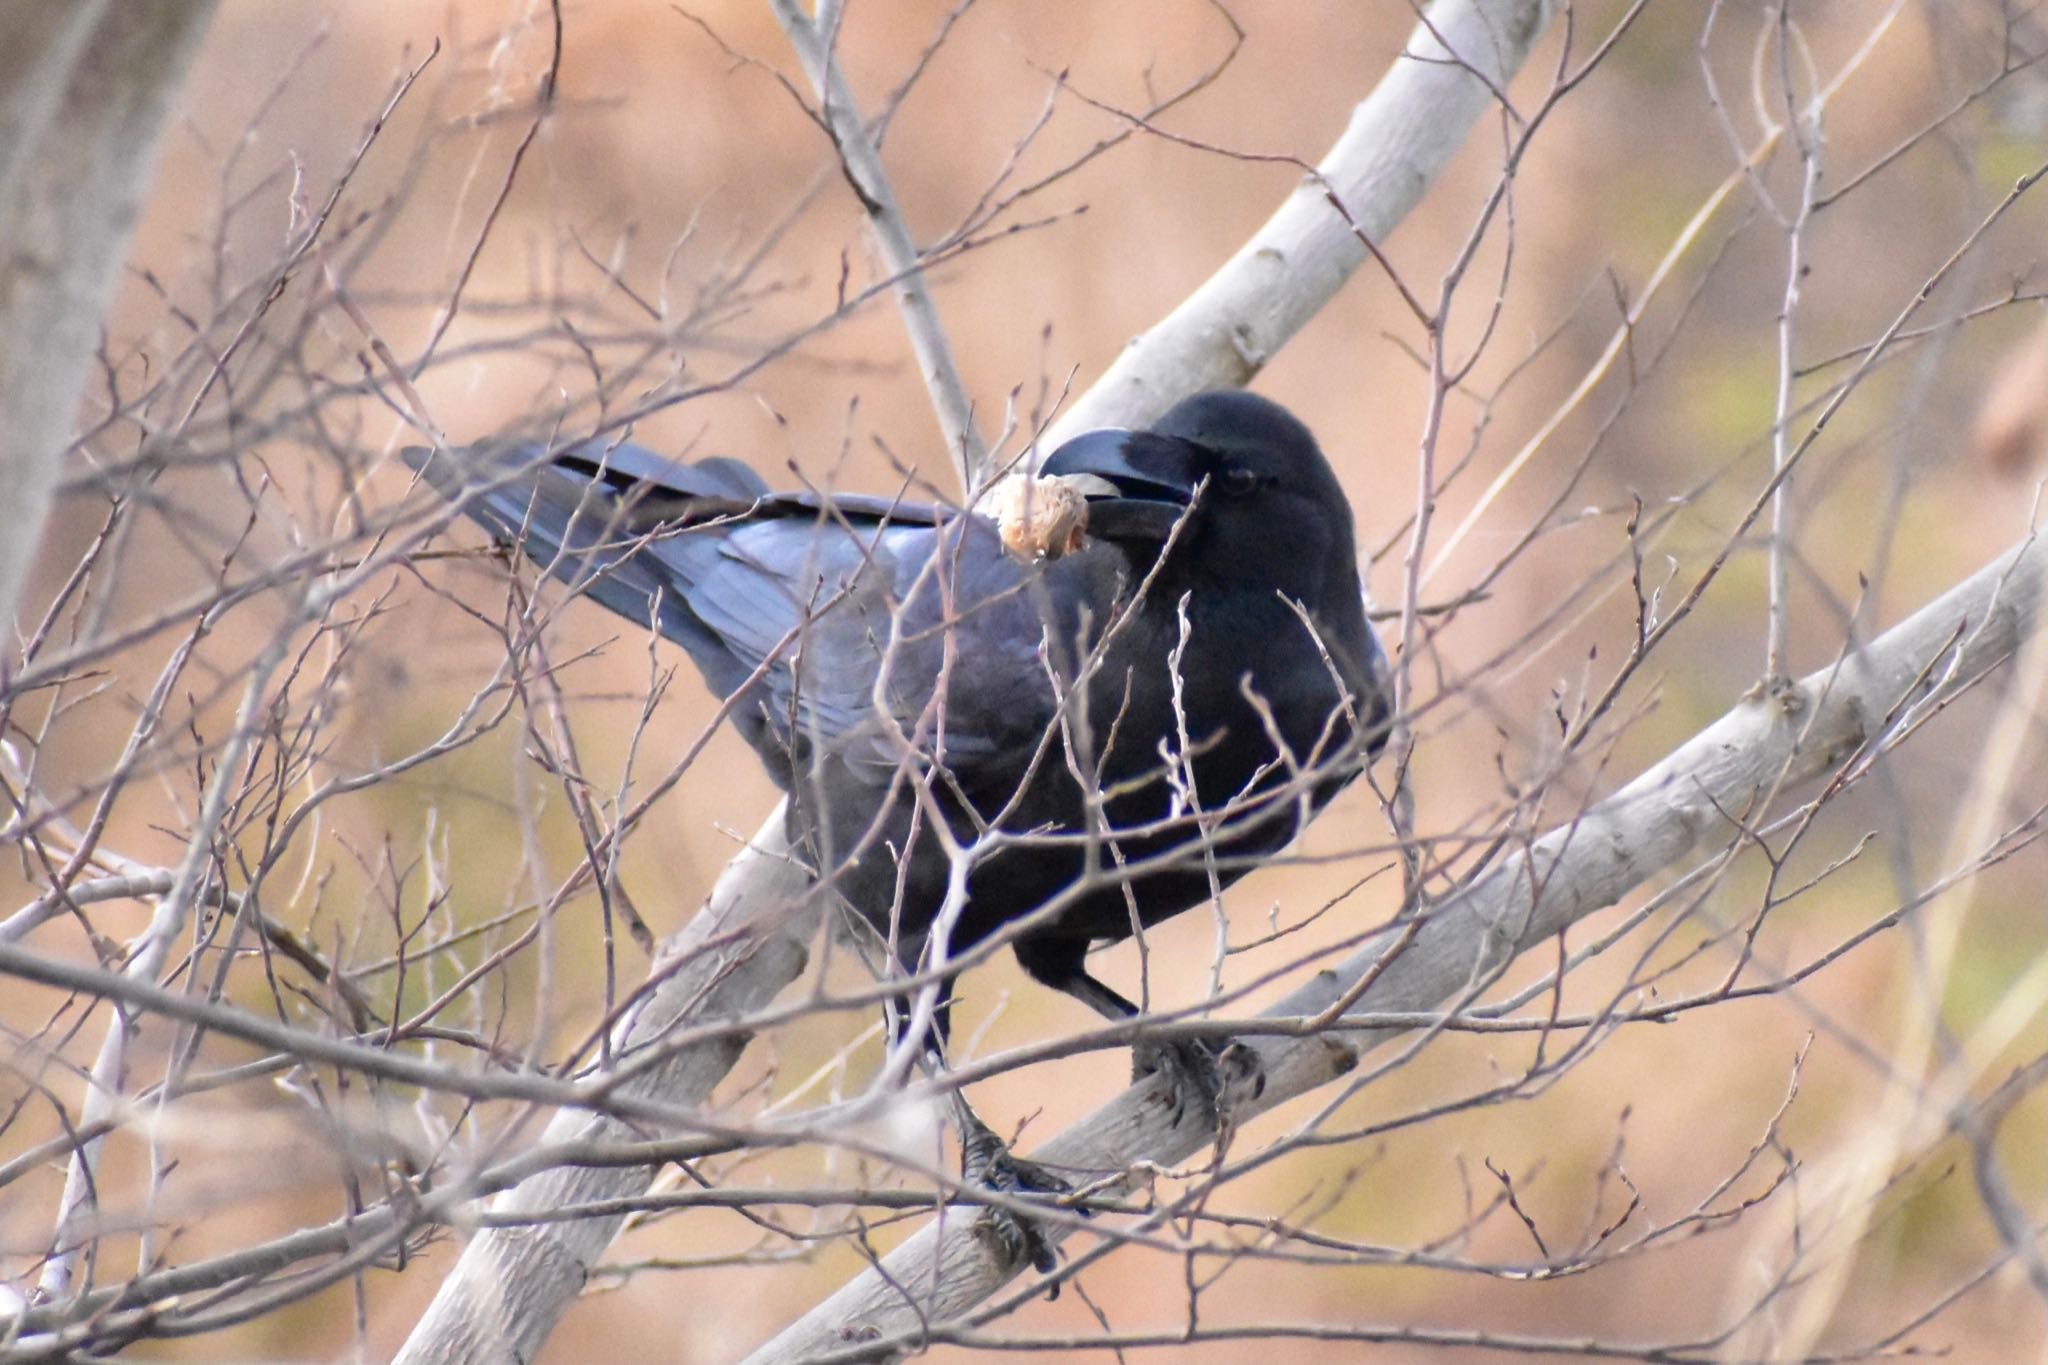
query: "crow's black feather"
1204, 655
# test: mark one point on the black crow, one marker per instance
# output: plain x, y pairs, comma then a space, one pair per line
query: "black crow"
1071, 749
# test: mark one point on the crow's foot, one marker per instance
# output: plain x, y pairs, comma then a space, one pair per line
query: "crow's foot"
1201, 1073
986, 1161
1244, 1075
1192, 1071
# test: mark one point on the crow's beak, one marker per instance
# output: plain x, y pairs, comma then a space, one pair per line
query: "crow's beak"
1138, 484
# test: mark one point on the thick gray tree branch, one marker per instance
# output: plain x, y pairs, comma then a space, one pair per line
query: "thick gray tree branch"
1793, 734
510, 1286
511, 1283
1396, 144
85, 91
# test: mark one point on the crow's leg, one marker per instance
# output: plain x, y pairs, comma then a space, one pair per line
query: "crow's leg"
985, 1159
1195, 1069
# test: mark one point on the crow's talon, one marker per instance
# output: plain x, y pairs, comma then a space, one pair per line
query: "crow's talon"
1192, 1073
987, 1162
1243, 1072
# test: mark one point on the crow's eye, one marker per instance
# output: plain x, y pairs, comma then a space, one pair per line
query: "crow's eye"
1237, 481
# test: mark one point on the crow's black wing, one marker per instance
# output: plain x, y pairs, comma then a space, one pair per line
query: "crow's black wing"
587, 514
830, 614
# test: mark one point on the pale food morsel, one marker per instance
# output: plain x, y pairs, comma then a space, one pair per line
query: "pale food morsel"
1038, 518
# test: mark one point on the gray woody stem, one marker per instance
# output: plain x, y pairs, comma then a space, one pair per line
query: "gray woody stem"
85, 92
1397, 142
862, 161
1793, 734
511, 1285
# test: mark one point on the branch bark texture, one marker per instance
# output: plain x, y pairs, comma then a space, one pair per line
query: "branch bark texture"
1789, 735
511, 1283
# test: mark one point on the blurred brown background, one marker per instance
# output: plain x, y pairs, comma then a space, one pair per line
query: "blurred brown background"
671, 158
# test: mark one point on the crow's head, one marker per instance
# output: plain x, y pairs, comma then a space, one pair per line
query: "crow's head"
1235, 483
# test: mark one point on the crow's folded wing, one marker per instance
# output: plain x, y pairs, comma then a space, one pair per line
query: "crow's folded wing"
831, 614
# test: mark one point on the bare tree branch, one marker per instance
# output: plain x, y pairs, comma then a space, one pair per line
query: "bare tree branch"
1826, 722
344, 901
1457, 60
87, 89
862, 161
512, 1284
